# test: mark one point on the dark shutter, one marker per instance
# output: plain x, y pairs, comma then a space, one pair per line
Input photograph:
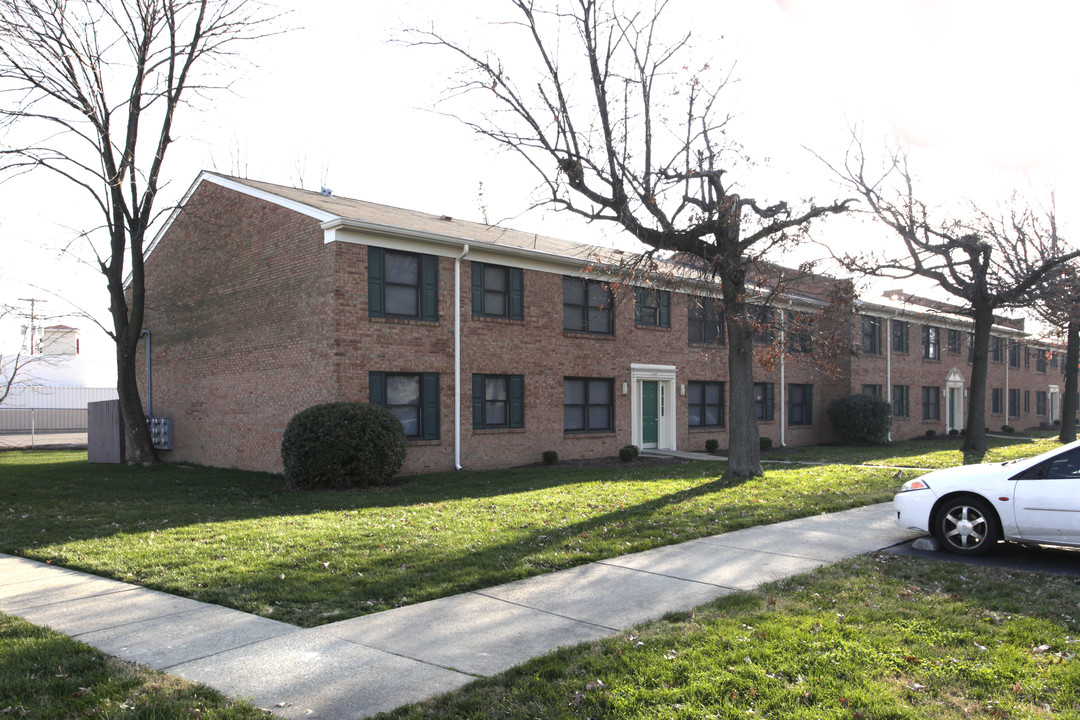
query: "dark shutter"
768, 401
517, 401
517, 294
638, 292
477, 399
429, 399
477, 289
429, 291
809, 394
377, 388
376, 308
665, 308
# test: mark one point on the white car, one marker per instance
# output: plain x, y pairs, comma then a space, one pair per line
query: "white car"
969, 508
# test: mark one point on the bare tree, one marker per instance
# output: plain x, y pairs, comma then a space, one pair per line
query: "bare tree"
990, 260
1057, 302
617, 128
17, 368
88, 91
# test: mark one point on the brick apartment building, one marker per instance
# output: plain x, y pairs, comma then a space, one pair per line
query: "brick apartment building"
493, 346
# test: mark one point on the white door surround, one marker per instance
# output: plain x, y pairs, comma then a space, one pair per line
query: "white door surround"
954, 382
664, 377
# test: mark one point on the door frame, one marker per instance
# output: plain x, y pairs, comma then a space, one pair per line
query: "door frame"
954, 381
664, 377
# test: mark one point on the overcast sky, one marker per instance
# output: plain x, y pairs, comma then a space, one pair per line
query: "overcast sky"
983, 88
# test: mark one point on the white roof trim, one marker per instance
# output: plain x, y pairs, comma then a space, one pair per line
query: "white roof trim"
207, 176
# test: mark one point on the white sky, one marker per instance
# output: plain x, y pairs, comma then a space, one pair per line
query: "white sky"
983, 87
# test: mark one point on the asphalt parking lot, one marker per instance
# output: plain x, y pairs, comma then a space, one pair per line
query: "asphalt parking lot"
1012, 556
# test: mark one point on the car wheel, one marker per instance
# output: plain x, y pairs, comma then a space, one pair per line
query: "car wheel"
966, 525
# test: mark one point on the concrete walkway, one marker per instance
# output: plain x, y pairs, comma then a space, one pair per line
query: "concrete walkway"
358, 667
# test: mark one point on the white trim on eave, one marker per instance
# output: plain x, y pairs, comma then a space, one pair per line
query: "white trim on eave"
207, 176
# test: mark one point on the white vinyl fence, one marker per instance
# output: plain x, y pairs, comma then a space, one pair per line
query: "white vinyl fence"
36, 409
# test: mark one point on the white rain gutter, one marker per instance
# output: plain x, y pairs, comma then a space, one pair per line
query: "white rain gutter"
457, 356
783, 384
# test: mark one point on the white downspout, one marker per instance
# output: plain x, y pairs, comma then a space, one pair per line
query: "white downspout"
1007, 342
783, 383
888, 365
457, 356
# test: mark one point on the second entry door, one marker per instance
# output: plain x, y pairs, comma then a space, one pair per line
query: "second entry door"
649, 414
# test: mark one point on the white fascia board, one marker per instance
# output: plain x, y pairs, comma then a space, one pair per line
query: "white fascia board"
362, 232
206, 176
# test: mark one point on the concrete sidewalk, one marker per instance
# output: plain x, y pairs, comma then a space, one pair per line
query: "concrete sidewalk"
358, 667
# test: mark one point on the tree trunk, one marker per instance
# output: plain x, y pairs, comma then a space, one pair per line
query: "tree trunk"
1068, 399
140, 448
744, 447
974, 447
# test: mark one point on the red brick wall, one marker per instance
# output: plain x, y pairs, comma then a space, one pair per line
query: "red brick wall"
239, 306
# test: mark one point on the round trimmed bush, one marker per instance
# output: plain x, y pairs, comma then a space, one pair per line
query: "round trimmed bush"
712, 445
628, 453
860, 419
550, 457
765, 444
343, 445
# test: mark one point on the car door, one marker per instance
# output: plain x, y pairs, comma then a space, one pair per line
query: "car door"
1046, 500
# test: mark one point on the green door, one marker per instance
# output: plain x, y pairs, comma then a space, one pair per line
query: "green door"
649, 426
952, 408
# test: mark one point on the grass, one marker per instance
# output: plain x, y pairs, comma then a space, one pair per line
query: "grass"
240, 540
45, 675
927, 453
875, 637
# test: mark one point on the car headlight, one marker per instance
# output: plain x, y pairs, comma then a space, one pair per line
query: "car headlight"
916, 484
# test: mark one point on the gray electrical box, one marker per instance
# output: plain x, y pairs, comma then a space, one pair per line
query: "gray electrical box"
160, 432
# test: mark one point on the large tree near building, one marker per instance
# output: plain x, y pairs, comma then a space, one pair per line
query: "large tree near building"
1057, 302
991, 260
619, 129
89, 90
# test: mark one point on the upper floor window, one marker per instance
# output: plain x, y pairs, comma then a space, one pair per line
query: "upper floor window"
931, 348
899, 336
971, 347
1054, 360
402, 284
705, 323
997, 348
587, 306
954, 342
652, 307
762, 318
1014, 354
871, 335
800, 336
1040, 361
497, 291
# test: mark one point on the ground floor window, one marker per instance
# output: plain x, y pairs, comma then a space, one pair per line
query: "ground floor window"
413, 398
872, 390
763, 401
1040, 402
588, 405
997, 398
931, 403
498, 401
706, 404
1014, 402
900, 400
800, 404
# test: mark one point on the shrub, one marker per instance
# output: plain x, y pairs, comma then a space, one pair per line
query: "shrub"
1008, 429
765, 444
342, 445
628, 453
712, 445
954, 432
931, 433
1057, 423
861, 419
550, 457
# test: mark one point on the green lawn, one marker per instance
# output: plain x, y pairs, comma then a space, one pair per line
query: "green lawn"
874, 637
240, 540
